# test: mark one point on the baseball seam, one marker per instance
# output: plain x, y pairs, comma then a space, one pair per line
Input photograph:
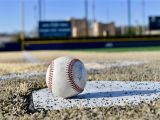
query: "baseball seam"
69, 73
50, 76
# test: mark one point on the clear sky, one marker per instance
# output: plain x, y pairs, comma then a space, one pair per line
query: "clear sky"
106, 11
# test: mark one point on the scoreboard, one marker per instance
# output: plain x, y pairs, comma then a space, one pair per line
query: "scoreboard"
55, 29
154, 23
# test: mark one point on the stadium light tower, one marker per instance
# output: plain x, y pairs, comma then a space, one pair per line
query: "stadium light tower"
40, 9
43, 5
129, 16
93, 10
86, 15
22, 19
107, 15
143, 16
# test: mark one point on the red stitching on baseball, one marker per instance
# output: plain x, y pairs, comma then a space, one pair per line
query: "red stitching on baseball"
69, 73
50, 76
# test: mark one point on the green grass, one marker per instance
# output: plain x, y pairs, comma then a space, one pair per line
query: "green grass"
127, 49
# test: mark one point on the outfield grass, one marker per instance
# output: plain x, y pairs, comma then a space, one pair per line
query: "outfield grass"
127, 49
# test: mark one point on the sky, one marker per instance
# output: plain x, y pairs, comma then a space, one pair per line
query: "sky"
105, 11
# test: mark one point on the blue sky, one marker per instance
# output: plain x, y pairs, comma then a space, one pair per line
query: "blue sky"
106, 11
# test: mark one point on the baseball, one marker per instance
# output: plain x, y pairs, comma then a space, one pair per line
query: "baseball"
66, 77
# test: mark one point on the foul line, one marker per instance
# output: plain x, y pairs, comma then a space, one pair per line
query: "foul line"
30, 58
22, 75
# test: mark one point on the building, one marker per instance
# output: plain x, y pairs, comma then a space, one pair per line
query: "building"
101, 29
152, 32
4, 38
121, 30
79, 27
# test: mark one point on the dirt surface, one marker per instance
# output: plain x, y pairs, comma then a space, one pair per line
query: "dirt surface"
16, 91
97, 56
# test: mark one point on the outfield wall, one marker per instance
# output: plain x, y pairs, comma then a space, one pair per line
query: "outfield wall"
86, 44
77, 44
11, 46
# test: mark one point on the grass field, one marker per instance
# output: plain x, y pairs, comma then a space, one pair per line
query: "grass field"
126, 49
23, 73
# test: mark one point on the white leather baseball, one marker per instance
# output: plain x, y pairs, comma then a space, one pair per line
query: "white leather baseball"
66, 77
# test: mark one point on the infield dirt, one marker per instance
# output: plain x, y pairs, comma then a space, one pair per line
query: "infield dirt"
16, 91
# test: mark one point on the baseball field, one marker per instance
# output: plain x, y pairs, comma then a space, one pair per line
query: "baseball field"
22, 73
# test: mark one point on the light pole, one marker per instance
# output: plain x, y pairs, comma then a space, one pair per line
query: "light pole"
143, 16
86, 16
129, 16
22, 36
44, 9
93, 10
40, 9
107, 15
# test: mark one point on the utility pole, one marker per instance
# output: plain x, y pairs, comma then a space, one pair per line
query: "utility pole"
40, 9
143, 16
129, 16
22, 19
44, 8
107, 15
86, 16
93, 11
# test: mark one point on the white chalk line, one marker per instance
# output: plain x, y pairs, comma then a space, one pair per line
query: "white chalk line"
29, 58
118, 63
101, 94
89, 66
22, 75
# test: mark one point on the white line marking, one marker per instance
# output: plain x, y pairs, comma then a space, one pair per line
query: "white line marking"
89, 66
22, 75
101, 94
29, 58
118, 63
